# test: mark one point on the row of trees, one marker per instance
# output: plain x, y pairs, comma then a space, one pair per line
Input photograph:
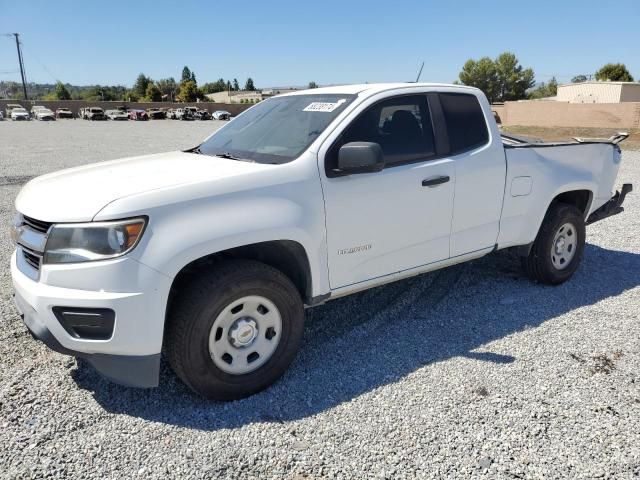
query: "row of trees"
147, 89
503, 78
186, 90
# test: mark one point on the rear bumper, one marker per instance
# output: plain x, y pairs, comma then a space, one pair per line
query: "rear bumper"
612, 207
134, 371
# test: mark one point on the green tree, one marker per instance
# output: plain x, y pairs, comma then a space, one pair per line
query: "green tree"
153, 93
213, 87
193, 77
614, 72
167, 87
186, 74
188, 91
236, 85
482, 74
141, 84
513, 80
544, 90
99, 93
249, 85
312, 85
130, 96
579, 79
61, 92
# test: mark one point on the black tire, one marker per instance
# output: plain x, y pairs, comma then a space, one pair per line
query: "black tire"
539, 265
199, 301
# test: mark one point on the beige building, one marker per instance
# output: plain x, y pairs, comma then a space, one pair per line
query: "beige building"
241, 96
599, 92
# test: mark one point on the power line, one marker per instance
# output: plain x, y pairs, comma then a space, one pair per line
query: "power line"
44, 67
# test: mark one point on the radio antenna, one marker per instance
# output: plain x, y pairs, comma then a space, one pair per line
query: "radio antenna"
420, 72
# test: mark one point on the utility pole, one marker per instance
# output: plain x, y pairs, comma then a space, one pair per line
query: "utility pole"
24, 80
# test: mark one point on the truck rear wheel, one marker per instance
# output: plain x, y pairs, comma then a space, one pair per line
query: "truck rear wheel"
558, 248
233, 331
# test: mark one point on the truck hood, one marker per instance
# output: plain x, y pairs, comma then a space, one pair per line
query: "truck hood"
78, 194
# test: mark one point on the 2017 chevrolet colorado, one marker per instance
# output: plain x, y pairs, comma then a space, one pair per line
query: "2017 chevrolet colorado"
213, 253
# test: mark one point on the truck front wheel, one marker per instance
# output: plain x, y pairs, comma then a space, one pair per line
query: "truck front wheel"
234, 330
558, 248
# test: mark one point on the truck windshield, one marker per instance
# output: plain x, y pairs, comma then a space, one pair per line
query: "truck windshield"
276, 130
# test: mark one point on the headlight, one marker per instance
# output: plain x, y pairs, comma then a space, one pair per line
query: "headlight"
86, 242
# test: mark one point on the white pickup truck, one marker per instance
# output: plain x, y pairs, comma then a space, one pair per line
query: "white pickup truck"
211, 254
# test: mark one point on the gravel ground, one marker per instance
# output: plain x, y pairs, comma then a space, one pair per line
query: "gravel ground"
472, 371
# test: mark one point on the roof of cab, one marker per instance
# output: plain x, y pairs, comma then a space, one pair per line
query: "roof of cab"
371, 88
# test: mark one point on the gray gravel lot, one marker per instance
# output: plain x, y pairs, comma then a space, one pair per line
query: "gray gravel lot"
472, 371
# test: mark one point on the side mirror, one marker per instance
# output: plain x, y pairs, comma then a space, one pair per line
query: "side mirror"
360, 157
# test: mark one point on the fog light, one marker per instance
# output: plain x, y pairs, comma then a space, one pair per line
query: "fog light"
86, 323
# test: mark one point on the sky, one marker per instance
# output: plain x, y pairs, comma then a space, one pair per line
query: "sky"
290, 43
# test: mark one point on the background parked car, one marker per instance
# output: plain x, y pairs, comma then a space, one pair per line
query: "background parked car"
42, 113
64, 112
11, 106
93, 113
116, 115
171, 113
184, 114
221, 115
19, 113
156, 114
203, 115
138, 115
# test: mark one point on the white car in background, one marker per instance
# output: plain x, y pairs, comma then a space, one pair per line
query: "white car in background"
42, 113
116, 115
64, 112
19, 113
221, 115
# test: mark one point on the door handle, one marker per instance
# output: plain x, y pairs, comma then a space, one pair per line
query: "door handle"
433, 181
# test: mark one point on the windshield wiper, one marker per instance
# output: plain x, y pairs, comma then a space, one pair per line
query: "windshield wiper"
227, 155
195, 150
232, 157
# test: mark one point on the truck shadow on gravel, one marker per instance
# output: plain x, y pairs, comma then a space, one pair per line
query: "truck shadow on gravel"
359, 343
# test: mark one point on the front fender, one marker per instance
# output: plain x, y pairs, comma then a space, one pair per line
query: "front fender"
180, 234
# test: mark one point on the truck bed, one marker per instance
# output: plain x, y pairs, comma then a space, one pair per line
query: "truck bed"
538, 172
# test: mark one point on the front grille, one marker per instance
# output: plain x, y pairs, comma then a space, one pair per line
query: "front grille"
32, 258
37, 225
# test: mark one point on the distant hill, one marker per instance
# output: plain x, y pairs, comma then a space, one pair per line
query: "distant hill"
40, 91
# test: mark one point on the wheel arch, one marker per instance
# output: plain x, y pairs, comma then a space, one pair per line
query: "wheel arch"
287, 256
581, 198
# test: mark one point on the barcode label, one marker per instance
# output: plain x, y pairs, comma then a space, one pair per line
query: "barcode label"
323, 106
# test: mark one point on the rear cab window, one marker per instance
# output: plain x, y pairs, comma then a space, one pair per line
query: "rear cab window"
465, 122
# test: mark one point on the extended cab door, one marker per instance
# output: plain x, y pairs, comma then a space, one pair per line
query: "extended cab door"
396, 219
475, 147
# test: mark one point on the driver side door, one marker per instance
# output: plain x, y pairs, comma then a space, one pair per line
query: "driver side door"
396, 219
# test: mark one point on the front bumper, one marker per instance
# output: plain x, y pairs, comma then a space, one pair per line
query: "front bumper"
131, 356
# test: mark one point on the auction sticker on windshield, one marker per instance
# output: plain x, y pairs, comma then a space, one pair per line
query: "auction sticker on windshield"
323, 106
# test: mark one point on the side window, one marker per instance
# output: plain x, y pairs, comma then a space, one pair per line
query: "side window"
466, 126
401, 126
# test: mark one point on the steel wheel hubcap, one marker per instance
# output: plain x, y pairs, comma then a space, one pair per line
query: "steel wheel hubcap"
245, 335
563, 248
